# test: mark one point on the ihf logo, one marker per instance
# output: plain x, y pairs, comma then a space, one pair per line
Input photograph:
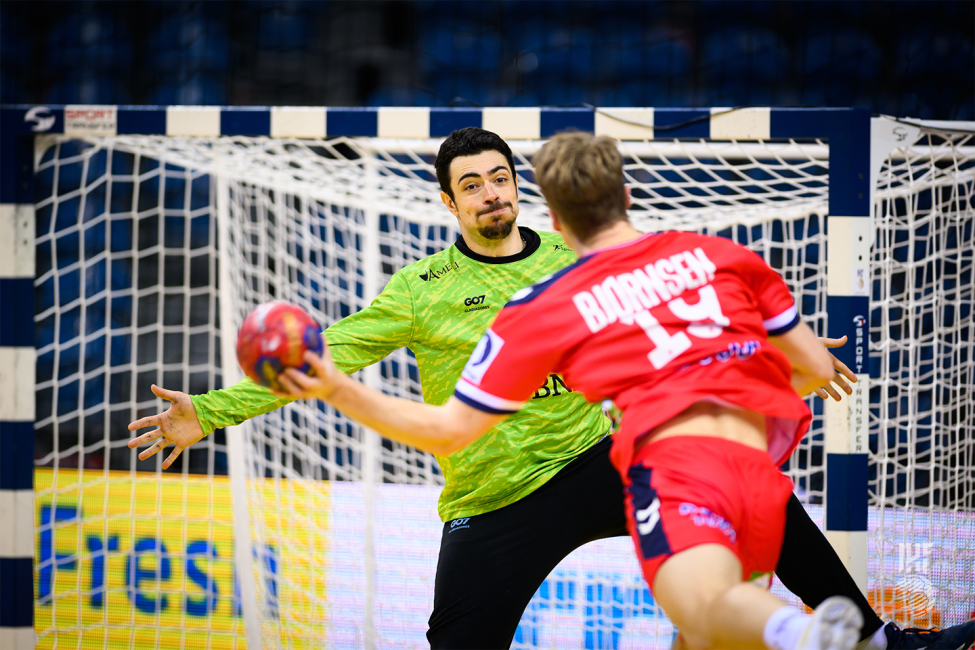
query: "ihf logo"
457, 524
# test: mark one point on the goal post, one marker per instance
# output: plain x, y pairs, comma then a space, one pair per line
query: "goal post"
139, 237
236, 457
16, 384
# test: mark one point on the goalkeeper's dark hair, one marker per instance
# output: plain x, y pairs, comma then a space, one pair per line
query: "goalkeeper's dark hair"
468, 142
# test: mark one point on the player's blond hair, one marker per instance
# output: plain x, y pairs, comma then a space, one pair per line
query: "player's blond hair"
581, 176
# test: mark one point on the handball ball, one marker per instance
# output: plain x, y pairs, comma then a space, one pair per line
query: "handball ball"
274, 337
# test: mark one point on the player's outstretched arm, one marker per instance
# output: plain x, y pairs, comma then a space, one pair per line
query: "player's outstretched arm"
178, 425
440, 430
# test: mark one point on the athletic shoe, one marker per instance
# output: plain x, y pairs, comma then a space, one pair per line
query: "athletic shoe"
835, 625
956, 637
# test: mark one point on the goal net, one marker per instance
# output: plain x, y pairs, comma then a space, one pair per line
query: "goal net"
152, 249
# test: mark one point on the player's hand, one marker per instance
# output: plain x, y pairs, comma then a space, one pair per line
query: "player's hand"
319, 385
843, 373
178, 425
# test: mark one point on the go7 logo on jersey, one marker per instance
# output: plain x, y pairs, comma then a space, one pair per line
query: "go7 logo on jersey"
628, 297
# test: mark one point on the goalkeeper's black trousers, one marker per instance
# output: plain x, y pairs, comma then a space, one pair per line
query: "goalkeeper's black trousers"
492, 564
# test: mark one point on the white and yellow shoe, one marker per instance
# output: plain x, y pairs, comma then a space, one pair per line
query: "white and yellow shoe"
835, 625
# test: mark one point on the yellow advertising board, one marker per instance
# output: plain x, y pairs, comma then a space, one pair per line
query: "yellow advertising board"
134, 560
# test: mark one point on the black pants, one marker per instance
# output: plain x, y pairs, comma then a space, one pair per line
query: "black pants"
491, 565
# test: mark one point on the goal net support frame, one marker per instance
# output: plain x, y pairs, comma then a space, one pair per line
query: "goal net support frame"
858, 147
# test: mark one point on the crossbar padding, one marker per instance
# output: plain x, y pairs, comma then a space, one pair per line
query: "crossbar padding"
530, 123
298, 122
514, 123
403, 123
193, 120
611, 122
743, 124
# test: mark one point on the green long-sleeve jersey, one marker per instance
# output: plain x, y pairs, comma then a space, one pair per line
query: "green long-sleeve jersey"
439, 307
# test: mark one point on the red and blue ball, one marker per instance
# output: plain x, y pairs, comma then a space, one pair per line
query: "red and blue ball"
274, 337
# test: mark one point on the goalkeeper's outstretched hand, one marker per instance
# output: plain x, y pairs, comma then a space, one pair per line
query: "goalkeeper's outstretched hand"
318, 384
178, 425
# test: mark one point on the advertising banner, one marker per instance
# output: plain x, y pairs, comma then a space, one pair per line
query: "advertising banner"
133, 560
138, 560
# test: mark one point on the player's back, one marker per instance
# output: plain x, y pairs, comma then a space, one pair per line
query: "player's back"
665, 321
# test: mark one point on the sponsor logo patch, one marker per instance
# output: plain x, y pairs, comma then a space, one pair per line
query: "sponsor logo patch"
704, 517
90, 120
41, 118
457, 524
740, 351
483, 356
475, 303
436, 274
859, 349
551, 388
646, 512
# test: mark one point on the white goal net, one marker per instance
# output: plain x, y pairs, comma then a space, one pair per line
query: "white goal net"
151, 249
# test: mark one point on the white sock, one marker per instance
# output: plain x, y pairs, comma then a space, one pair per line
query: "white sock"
783, 628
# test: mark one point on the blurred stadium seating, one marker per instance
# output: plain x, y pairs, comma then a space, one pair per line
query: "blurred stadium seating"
904, 58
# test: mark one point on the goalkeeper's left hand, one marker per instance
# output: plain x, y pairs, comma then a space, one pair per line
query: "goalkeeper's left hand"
178, 425
317, 385
842, 373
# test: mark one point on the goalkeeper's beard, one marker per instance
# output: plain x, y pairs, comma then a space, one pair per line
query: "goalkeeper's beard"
497, 228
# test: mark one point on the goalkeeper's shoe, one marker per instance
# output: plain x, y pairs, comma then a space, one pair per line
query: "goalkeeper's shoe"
835, 625
956, 637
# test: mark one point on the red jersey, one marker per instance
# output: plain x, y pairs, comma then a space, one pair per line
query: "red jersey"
655, 324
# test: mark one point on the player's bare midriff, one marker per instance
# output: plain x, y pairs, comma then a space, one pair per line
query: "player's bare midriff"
713, 421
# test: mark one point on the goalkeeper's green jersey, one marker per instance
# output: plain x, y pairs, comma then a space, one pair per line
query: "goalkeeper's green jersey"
438, 308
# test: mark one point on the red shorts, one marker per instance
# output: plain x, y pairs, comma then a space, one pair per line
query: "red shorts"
691, 490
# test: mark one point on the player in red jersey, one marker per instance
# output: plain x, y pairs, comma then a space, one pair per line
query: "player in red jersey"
699, 343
